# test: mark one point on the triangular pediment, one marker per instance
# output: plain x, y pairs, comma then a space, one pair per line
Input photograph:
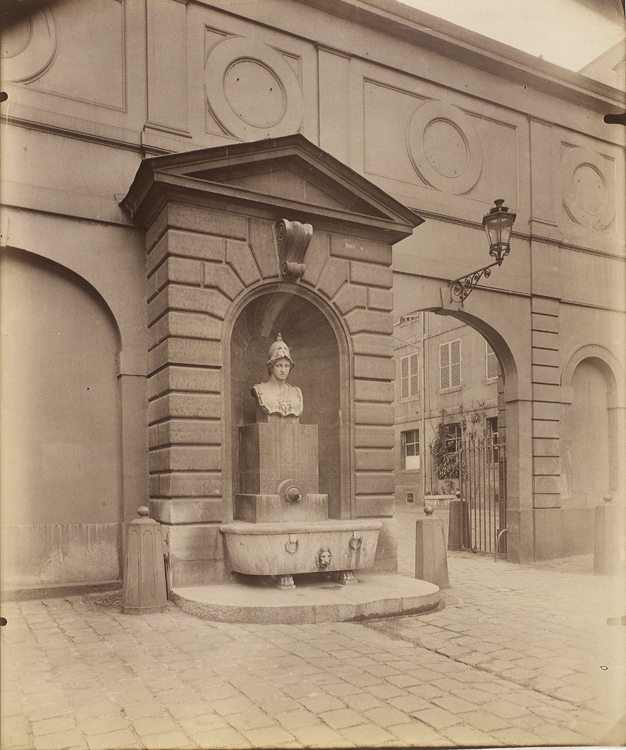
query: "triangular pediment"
289, 174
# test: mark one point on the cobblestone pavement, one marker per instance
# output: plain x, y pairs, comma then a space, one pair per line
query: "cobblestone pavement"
520, 655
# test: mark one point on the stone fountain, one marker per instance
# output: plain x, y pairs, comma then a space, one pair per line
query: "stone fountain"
281, 525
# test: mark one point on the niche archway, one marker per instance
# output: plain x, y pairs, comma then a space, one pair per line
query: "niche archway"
320, 352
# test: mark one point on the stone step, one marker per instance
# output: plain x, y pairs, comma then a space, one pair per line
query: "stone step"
310, 602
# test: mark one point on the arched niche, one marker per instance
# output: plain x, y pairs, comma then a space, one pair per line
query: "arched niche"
320, 351
61, 431
593, 455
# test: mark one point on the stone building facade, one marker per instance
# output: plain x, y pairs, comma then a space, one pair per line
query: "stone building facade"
104, 376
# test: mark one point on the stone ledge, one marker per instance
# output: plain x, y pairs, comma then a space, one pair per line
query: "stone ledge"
310, 602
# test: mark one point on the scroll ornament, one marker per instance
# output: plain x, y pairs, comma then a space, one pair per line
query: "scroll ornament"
293, 240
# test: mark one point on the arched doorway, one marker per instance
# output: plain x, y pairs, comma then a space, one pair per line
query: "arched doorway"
60, 426
320, 372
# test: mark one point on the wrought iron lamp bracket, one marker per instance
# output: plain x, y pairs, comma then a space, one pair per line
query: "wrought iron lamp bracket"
461, 288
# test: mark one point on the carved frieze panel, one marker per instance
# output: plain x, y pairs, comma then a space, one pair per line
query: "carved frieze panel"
439, 145
29, 47
252, 91
444, 147
76, 51
588, 186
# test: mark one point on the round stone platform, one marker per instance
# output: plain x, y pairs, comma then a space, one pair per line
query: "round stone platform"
310, 602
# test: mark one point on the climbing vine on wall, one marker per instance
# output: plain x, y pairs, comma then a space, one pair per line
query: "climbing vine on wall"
445, 460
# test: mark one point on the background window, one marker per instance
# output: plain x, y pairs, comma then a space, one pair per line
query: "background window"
450, 364
453, 437
409, 380
491, 363
410, 441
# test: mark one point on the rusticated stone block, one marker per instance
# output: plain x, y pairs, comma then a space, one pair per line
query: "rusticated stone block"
368, 321
373, 414
195, 219
543, 428
222, 277
183, 271
547, 357
546, 410
542, 392
545, 340
350, 297
545, 323
190, 431
196, 554
262, 245
334, 274
369, 459
188, 245
373, 390
374, 368
550, 375
194, 405
240, 257
380, 299
545, 305
374, 437
548, 465
316, 257
185, 298
175, 378
191, 484
374, 483
368, 506
181, 458
179, 351
187, 325
546, 447
546, 500
186, 510
153, 436
375, 345
549, 485
362, 273
356, 248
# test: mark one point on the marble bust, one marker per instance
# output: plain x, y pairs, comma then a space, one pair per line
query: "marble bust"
276, 398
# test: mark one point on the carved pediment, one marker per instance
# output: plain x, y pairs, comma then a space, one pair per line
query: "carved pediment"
277, 177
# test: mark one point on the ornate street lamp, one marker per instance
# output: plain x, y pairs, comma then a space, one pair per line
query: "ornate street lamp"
498, 224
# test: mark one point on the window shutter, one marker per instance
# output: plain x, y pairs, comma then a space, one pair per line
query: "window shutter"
444, 366
414, 383
455, 363
404, 377
492, 363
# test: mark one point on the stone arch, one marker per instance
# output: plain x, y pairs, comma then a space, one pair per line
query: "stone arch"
321, 347
61, 397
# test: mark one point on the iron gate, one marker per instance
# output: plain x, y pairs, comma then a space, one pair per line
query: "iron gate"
482, 479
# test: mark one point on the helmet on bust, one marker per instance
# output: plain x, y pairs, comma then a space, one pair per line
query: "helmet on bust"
279, 350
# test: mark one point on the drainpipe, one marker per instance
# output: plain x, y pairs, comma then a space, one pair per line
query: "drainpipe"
423, 403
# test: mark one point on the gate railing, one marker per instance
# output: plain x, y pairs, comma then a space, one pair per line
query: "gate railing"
482, 479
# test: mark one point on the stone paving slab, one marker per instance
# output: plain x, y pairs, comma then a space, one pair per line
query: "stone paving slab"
520, 655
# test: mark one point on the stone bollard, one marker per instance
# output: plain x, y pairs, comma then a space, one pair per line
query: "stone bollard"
431, 563
455, 524
609, 554
144, 568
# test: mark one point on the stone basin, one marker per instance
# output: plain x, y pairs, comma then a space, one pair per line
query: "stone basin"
286, 549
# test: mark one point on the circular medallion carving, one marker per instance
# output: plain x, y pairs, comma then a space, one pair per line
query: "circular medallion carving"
444, 147
29, 48
251, 90
588, 192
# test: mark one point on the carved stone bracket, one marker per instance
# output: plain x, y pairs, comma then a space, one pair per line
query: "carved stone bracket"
293, 240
